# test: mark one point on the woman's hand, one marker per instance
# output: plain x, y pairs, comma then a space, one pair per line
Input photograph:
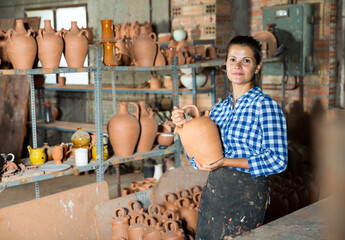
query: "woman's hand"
210, 167
177, 116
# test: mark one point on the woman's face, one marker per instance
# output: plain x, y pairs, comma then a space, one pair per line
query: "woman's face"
241, 65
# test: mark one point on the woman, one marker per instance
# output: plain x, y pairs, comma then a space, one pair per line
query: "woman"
254, 138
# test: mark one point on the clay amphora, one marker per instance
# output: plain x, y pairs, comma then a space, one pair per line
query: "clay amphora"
145, 48
169, 202
21, 46
107, 31
188, 214
80, 138
124, 130
149, 127
172, 231
200, 138
48, 151
160, 59
125, 54
119, 224
152, 231
50, 46
109, 57
37, 155
136, 228
134, 209
58, 154
76, 46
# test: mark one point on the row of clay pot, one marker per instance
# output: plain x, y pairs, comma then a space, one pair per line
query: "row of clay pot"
22, 47
175, 218
138, 186
129, 133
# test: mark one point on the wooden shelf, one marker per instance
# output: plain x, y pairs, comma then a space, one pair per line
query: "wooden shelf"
68, 126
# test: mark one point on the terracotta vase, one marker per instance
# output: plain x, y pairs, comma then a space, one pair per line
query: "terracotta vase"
172, 231
58, 154
124, 130
119, 224
136, 228
80, 138
145, 48
107, 31
188, 214
109, 54
76, 46
50, 46
180, 56
168, 82
200, 138
21, 46
149, 127
125, 53
148, 27
62, 81
160, 59
171, 215
152, 231
169, 202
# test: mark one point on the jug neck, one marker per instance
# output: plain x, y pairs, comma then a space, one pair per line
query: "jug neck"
20, 26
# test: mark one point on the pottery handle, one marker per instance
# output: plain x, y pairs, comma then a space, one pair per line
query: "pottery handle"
136, 114
168, 225
183, 193
29, 148
151, 222
167, 195
197, 113
29, 32
120, 54
59, 33
121, 210
40, 33
152, 207
138, 218
183, 202
194, 189
85, 32
153, 36
131, 203
9, 33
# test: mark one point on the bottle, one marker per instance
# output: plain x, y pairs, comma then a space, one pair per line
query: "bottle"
48, 116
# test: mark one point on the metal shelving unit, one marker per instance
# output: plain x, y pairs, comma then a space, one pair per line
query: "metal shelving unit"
100, 165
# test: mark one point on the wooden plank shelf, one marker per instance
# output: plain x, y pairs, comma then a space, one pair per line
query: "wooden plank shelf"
68, 126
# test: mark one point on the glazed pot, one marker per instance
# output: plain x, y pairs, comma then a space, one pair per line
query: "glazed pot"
149, 127
179, 35
37, 155
109, 54
119, 224
145, 48
48, 150
21, 46
200, 138
76, 46
105, 152
80, 138
50, 46
136, 228
107, 31
124, 130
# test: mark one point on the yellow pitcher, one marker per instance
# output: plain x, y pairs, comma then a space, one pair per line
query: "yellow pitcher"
105, 152
37, 155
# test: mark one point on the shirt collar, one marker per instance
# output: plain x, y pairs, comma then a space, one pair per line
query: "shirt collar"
248, 96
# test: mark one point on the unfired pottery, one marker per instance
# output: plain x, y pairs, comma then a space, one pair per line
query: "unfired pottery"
21, 46
169, 202
188, 214
50, 46
124, 130
173, 232
58, 154
155, 81
76, 46
149, 127
125, 52
160, 59
119, 224
200, 138
136, 228
152, 231
145, 48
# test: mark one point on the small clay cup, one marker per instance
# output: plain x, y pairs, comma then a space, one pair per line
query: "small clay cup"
62, 81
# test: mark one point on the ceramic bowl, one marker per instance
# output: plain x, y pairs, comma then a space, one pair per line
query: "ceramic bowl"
186, 80
189, 70
165, 139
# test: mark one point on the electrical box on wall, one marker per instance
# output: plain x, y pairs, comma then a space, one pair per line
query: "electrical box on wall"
293, 28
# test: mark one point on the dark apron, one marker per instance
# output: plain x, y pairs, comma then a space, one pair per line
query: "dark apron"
232, 202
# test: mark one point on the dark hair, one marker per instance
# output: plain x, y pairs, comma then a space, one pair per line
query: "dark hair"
255, 45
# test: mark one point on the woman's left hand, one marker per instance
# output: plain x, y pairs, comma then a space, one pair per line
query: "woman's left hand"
210, 167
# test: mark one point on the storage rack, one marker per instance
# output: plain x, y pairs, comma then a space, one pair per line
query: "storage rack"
99, 165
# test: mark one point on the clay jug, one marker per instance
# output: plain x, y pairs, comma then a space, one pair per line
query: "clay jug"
155, 211
80, 138
136, 228
58, 154
107, 31
109, 56
172, 231
149, 127
134, 209
152, 231
160, 59
145, 48
50, 46
171, 215
21, 46
123, 130
76, 45
200, 138
169, 202
188, 214
125, 54
119, 224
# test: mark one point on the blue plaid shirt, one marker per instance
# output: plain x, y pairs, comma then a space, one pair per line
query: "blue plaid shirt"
255, 129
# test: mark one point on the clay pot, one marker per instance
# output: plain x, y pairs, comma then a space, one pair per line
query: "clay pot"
172, 231
125, 53
179, 35
188, 214
168, 82
148, 27
107, 31
145, 48
50, 46
76, 46
149, 127
58, 154
155, 81
165, 139
160, 59
119, 224
137, 228
109, 54
171, 215
62, 81
21, 46
169, 202
302, 192
200, 138
180, 56
48, 151
155, 211
80, 138
164, 37
134, 208
152, 231
124, 130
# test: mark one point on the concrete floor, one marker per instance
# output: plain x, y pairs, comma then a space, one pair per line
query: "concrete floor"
26, 192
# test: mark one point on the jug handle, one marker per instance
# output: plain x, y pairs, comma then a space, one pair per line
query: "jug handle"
168, 225
197, 113
29, 32
59, 33
9, 33
29, 148
85, 32
40, 33
153, 36
136, 111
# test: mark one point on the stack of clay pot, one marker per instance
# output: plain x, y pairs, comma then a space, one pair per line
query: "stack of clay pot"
175, 218
129, 133
138, 186
22, 48
108, 42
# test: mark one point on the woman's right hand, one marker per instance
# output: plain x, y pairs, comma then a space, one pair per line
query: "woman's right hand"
177, 116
